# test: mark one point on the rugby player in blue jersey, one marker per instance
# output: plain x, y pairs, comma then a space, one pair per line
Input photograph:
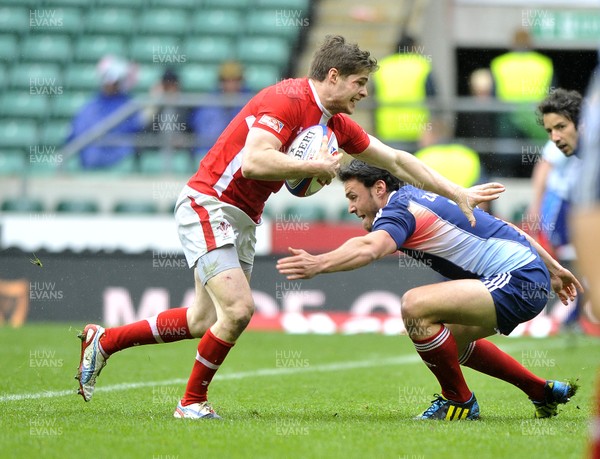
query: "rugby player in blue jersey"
498, 278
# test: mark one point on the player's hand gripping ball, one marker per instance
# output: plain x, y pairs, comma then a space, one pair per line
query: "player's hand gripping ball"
305, 147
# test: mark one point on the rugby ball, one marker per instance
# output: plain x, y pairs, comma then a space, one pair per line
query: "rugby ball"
305, 147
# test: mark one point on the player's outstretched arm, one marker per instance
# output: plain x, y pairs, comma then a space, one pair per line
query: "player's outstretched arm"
352, 254
411, 170
564, 283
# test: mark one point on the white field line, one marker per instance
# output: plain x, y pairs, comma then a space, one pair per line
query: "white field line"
338, 366
264, 372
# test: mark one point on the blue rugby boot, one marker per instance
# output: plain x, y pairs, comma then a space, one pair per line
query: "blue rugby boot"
446, 410
556, 393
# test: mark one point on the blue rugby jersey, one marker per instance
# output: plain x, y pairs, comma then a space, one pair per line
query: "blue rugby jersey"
434, 230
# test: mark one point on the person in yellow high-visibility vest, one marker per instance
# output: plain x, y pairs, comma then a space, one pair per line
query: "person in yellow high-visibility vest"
454, 161
522, 76
403, 78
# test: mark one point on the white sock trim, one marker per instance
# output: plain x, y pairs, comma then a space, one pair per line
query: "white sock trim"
437, 342
206, 363
467, 353
152, 321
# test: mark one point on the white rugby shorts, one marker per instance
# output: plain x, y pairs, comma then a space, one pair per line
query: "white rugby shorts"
204, 223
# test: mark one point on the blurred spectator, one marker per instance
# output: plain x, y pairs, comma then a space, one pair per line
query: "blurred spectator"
209, 121
521, 76
403, 77
170, 122
116, 78
478, 124
454, 161
481, 84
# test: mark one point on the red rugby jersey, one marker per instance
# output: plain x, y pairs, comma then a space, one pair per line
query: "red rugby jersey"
284, 109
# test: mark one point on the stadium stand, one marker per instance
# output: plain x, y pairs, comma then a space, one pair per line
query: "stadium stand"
49, 51
301, 212
346, 216
12, 162
154, 162
135, 207
78, 206
21, 204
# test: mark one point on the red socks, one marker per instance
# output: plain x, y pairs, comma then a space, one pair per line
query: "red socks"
441, 356
168, 326
485, 357
211, 353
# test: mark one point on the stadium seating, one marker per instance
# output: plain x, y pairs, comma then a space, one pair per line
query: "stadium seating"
261, 76
33, 75
79, 206
218, 22
22, 104
12, 162
189, 4
67, 20
9, 49
14, 19
284, 4
163, 21
208, 49
154, 49
199, 77
239, 4
54, 133
270, 22
135, 207
42, 163
22, 204
19, 2
118, 21
78, 3
304, 212
155, 162
81, 77
3, 76
266, 50
344, 215
117, 3
46, 48
18, 134
147, 77
49, 51
93, 47
68, 104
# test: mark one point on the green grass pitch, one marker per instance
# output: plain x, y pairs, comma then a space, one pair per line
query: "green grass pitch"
281, 396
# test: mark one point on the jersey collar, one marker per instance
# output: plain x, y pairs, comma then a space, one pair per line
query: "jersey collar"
390, 196
317, 100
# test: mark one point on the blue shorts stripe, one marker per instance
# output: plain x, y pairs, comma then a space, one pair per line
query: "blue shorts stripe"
498, 281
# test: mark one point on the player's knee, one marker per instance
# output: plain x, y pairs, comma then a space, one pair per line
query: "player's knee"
410, 305
200, 321
239, 315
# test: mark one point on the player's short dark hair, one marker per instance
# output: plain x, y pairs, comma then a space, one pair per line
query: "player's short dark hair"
562, 102
368, 175
347, 58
